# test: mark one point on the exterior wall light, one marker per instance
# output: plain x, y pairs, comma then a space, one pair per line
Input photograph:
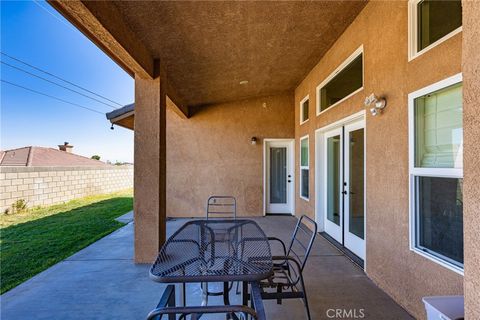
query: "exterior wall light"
376, 104
253, 141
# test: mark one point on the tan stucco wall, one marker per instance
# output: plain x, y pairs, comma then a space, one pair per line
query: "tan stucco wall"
471, 124
382, 29
211, 153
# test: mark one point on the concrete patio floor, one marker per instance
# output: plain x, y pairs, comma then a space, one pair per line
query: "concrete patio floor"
102, 282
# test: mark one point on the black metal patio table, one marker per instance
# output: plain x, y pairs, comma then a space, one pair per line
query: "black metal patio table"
203, 251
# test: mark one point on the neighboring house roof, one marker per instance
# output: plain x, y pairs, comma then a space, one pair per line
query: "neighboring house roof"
44, 157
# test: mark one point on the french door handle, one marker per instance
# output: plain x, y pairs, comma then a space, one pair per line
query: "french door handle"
289, 181
344, 191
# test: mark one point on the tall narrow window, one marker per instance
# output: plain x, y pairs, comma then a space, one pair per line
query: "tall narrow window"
343, 82
304, 109
432, 22
304, 168
436, 171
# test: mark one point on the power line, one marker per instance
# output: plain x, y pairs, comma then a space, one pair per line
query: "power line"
59, 78
50, 96
57, 84
50, 13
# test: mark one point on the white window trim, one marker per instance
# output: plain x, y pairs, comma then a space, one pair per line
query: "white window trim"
413, 34
426, 172
342, 66
301, 109
304, 167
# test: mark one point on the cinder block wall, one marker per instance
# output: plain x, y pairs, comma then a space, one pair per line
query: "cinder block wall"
41, 186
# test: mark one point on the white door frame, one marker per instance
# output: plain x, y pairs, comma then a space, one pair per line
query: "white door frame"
320, 165
291, 161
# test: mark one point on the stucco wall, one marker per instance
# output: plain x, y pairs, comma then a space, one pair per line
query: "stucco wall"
471, 124
41, 186
382, 30
211, 153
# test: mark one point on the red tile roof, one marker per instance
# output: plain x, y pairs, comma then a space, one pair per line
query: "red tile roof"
44, 157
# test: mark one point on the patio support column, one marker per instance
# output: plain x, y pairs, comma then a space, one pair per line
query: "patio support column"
150, 165
471, 184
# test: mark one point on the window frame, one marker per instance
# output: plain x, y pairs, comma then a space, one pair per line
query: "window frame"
332, 75
307, 167
415, 171
413, 32
306, 98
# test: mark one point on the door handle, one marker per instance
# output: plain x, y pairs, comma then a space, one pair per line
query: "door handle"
289, 181
344, 192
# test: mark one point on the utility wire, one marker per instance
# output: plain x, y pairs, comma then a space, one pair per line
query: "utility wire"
50, 96
57, 84
59, 78
53, 15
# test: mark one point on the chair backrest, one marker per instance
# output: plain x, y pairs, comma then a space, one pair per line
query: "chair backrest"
221, 207
302, 240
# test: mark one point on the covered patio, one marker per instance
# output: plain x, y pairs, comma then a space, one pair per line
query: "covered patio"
102, 282
367, 114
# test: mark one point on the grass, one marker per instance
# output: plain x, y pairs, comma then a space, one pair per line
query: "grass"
37, 239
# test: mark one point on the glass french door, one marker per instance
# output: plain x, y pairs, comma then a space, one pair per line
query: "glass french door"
344, 187
279, 177
334, 183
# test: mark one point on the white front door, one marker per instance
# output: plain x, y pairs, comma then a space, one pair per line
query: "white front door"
279, 177
343, 186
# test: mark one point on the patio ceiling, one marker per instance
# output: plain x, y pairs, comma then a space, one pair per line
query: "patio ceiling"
208, 48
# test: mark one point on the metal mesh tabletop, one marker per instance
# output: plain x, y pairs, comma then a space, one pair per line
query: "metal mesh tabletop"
214, 251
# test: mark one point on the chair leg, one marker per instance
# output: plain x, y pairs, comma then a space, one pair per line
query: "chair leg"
204, 286
305, 299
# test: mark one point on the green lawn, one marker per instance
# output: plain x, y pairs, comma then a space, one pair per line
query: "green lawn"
35, 240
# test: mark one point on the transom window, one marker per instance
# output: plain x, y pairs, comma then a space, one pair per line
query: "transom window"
436, 172
432, 22
304, 109
304, 168
346, 80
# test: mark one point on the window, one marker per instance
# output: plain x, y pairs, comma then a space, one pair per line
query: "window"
432, 22
342, 83
304, 104
304, 168
436, 172
439, 225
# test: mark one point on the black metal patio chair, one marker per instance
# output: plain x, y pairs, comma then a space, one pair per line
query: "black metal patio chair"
166, 307
287, 281
220, 207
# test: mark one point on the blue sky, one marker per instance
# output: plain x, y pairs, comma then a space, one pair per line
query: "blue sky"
47, 41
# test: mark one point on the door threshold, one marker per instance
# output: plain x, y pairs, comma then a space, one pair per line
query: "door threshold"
350, 255
279, 214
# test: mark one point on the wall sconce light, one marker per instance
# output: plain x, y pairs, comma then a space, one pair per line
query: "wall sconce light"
253, 141
376, 104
